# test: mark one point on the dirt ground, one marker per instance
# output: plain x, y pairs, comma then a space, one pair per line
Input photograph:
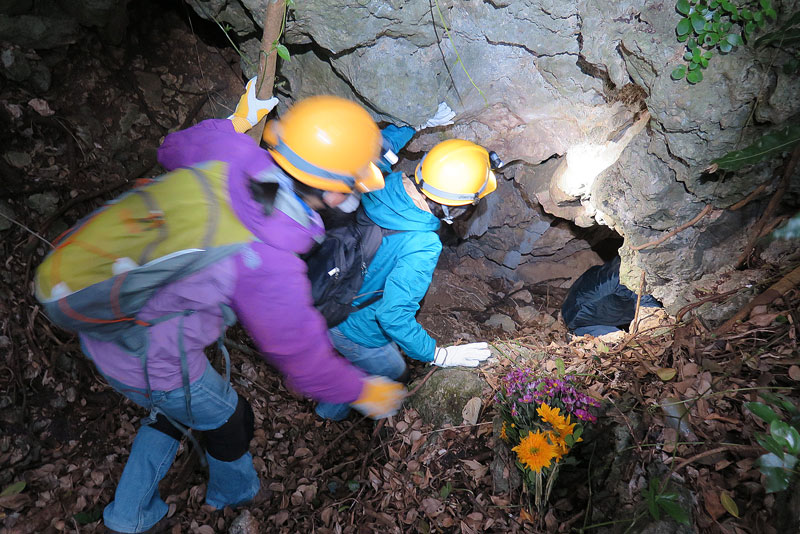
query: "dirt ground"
66, 434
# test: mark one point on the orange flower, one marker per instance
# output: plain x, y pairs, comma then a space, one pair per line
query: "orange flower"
503, 434
535, 451
551, 416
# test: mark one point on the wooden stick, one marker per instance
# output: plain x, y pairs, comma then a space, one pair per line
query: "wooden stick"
771, 207
268, 59
676, 231
778, 289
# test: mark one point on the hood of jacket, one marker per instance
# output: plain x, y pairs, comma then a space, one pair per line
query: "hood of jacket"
392, 208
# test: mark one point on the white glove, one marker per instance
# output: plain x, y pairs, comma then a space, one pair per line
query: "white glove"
444, 115
469, 355
250, 109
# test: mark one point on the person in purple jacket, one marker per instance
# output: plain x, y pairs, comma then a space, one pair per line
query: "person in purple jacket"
321, 150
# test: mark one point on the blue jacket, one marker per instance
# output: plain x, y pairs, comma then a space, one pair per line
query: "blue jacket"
402, 267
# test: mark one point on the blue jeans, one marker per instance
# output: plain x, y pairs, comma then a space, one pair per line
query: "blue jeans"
383, 361
137, 504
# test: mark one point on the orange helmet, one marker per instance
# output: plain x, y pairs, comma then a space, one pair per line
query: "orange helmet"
329, 143
456, 173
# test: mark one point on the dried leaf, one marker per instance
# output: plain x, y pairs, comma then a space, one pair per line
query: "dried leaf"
13, 489
729, 504
524, 516
41, 107
471, 411
794, 372
666, 373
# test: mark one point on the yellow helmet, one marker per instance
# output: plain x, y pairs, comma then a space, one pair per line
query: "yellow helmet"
456, 173
328, 143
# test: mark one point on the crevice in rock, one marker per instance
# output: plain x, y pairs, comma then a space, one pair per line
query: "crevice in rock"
526, 49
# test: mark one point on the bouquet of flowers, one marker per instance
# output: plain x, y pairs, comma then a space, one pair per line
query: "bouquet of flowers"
538, 424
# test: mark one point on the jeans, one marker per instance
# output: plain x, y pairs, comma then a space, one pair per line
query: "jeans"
382, 361
137, 505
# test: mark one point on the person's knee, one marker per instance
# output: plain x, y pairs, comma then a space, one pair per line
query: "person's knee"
230, 441
163, 425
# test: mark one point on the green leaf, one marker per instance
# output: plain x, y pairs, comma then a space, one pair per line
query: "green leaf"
767, 146
761, 410
758, 17
691, 44
734, 39
569, 440
749, 28
650, 497
683, 7
708, 26
786, 436
695, 76
697, 53
560, 367
713, 4
777, 471
776, 479
708, 54
746, 14
675, 511
698, 22
725, 27
693, 66
283, 52
682, 38
765, 4
790, 230
789, 36
725, 47
13, 489
771, 13
353, 485
769, 443
727, 6
90, 516
729, 504
684, 26
445, 491
710, 40
703, 62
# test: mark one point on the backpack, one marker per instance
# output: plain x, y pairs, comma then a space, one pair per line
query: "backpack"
105, 269
337, 266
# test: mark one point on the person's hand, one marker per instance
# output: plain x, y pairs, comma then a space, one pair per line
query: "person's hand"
469, 355
444, 115
380, 397
250, 109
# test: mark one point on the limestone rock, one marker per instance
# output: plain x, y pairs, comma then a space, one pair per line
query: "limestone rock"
500, 320
442, 399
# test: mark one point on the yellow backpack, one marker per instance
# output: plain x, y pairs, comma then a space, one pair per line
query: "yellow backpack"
105, 268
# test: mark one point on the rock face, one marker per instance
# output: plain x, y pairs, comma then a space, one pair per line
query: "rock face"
576, 94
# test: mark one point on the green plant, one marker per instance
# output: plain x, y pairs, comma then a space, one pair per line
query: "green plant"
782, 442
788, 35
765, 147
709, 26
659, 499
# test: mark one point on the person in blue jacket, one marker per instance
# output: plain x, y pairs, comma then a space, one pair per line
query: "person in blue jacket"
448, 182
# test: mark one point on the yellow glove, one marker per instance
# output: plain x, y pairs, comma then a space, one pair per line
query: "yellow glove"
380, 397
250, 109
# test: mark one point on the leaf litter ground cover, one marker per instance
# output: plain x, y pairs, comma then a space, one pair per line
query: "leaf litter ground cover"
673, 397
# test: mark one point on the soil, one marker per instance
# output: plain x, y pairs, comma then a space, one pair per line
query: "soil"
66, 434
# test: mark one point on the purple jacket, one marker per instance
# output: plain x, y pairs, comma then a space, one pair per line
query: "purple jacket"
265, 284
